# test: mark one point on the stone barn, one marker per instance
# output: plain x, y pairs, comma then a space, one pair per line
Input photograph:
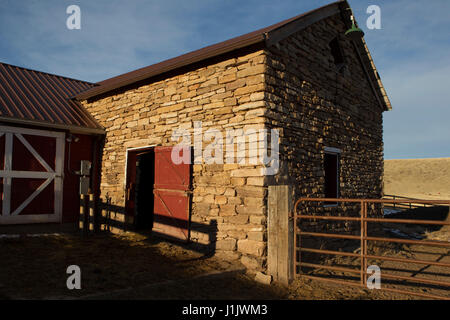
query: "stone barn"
299, 102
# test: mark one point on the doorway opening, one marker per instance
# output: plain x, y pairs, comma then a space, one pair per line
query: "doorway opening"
139, 187
157, 192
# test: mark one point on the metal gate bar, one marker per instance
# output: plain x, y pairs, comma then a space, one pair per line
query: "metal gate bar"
363, 256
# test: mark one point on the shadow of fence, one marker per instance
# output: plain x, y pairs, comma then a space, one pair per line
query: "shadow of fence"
103, 216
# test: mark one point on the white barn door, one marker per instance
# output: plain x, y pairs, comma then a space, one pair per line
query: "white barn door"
31, 175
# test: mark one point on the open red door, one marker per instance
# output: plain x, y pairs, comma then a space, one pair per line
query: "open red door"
172, 196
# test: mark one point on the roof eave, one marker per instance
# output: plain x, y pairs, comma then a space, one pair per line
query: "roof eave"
173, 64
58, 126
269, 36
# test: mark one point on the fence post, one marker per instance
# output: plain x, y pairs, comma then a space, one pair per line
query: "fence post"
91, 213
83, 220
364, 252
280, 253
362, 232
106, 214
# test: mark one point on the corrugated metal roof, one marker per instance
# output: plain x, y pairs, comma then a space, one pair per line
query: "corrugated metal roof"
34, 97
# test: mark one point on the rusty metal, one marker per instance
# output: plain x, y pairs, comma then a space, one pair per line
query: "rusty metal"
355, 200
373, 220
443, 223
419, 242
417, 261
319, 266
416, 279
337, 253
331, 235
295, 247
409, 205
357, 284
38, 98
328, 218
375, 257
364, 239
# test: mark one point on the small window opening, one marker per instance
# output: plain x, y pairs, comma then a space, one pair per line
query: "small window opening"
331, 168
336, 52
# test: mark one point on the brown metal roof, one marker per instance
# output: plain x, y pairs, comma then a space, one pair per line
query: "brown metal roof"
43, 99
194, 56
268, 36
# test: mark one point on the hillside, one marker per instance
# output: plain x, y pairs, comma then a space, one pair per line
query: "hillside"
418, 178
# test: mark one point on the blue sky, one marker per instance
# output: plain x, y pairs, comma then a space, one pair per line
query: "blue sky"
411, 51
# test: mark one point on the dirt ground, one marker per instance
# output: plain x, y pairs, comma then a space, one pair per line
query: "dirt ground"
129, 266
418, 178
142, 267
420, 271
393, 250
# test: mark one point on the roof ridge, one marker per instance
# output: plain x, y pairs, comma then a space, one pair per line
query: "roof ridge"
47, 73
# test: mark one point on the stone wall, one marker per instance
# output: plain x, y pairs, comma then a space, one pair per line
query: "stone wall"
319, 106
294, 87
224, 95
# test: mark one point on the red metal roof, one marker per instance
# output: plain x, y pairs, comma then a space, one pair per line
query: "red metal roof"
39, 98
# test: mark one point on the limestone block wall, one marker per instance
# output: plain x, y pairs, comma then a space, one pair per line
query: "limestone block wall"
223, 95
294, 87
319, 106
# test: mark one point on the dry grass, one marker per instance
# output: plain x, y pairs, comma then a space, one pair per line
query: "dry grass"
418, 178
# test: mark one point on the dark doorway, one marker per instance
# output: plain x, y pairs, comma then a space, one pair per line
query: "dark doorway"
331, 167
139, 187
145, 179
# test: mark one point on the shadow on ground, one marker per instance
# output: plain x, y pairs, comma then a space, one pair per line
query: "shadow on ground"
120, 267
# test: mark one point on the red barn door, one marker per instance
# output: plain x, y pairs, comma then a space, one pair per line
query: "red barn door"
172, 197
31, 175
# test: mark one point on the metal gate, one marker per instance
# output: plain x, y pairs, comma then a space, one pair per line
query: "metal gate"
31, 163
341, 276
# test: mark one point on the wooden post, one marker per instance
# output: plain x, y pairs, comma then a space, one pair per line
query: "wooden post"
280, 234
83, 214
91, 213
103, 224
